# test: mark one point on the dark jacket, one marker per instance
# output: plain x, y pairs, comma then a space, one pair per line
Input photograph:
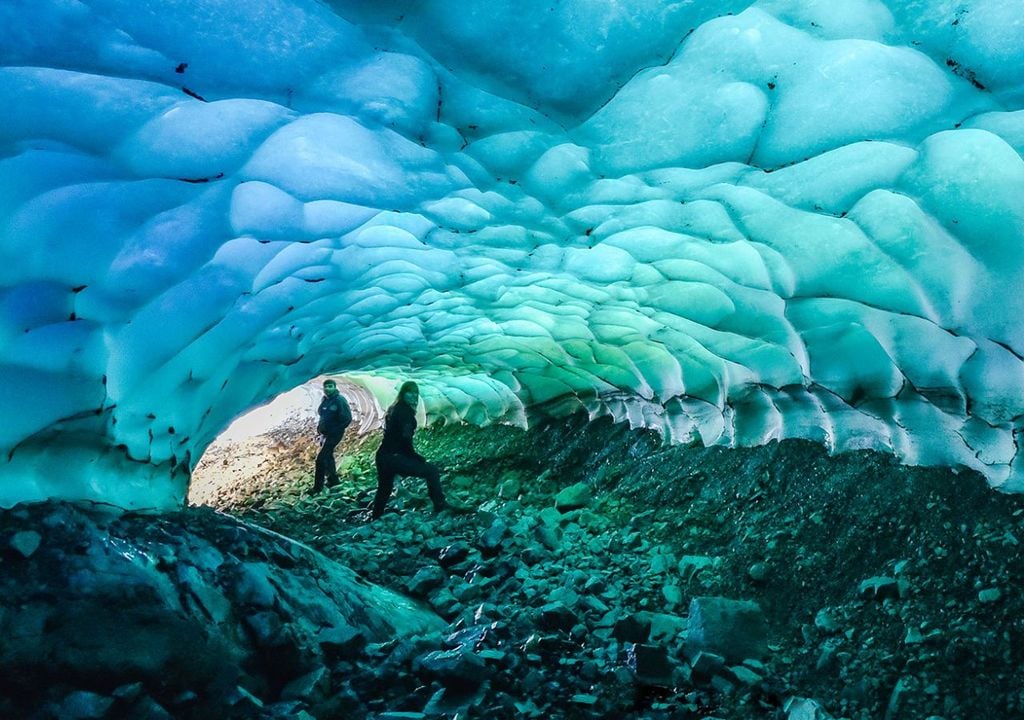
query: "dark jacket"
335, 415
399, 426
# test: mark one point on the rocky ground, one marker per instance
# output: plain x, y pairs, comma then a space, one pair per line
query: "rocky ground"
606, 575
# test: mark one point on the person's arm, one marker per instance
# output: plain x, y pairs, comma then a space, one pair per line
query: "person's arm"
345, 412
408, 423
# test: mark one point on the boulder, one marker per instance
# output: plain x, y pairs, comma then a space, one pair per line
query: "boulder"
650, 663
735, 629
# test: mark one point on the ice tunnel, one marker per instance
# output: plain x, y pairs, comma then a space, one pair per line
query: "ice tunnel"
732, 222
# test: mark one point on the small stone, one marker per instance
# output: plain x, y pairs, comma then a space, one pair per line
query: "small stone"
758, 572
744, 675
509, 489
989, 595
573, 497
798, 708
82, 705
706, 664
662, 563
585, 700
425, 580
453, 668
913, 636
149, 709
635, 628
665, 627
650, 663
26, 542
673, 595
491, 539
341, 641
548, 537
879, 588
557, 616
690, 565
308, 686
496, 656
453, 554
824, 621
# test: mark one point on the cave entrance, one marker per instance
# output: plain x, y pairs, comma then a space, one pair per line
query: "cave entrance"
268, 452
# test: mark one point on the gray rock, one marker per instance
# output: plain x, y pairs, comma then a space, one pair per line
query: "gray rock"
665, 627
148, 709
690, 565
798, 708
26, 542
453, 668
706, 663
879, 588
989, 595
253, 586
824, 621
426, 580
548, 537
758, 572
662, 563
558, 616
310, 686
491, 539
573, 497
742, 675
634, 628
82, 705
453, 554
735, 629
509, 489
266, 628
650, 663
341, 641
673, 595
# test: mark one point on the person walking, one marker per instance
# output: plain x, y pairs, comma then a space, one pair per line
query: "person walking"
396, 455
335, 416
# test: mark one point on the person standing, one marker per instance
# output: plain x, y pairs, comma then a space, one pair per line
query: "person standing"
396, 455
335, 416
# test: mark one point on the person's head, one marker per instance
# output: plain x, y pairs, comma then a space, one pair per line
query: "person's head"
330, 388
409, 393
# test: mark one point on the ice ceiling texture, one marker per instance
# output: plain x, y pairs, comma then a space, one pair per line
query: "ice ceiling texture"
731, 222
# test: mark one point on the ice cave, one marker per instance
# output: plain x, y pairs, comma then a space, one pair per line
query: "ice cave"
633, 252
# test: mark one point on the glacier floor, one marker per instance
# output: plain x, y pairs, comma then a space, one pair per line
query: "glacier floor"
889, 591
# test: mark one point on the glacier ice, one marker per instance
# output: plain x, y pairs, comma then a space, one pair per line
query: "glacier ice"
730, 222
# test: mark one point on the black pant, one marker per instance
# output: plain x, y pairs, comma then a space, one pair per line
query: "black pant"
325, 468
392, 464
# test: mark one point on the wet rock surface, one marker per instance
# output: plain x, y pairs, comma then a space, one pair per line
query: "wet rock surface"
871, 580
191, 614
604, 575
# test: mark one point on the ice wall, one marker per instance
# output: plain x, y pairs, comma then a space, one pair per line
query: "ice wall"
728, 221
